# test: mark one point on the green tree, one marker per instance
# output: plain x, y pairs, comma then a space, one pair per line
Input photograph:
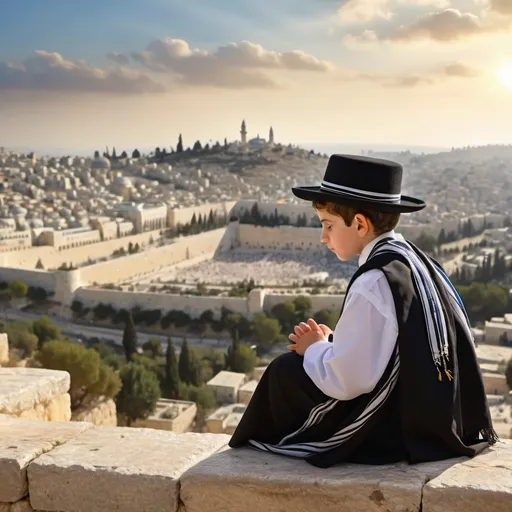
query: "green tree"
241, 358
172, 378
129, 338
284, 312
266, 329
153, 347
203, 398
139, 393
179, 147
327, 317
22, 340
39, 264
302, 307
45, 330
17, 289
90, 377
184, 363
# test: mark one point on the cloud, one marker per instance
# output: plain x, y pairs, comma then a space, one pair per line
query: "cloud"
445, 26
236, 65
50, 71
118, 58
434, 76
361, 11
459, 69
501, 6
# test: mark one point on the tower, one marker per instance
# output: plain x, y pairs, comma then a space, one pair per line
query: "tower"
271, 137
243, 133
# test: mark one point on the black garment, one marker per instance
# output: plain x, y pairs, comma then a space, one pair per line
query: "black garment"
410, 415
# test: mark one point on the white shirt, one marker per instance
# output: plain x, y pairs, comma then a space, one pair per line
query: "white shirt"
363, 340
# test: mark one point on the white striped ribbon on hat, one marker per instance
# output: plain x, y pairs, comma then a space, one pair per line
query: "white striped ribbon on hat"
367, 195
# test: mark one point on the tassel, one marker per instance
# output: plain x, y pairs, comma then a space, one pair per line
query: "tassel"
489, 435
449, 375
439, 375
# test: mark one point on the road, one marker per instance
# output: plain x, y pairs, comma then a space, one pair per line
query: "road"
78, 331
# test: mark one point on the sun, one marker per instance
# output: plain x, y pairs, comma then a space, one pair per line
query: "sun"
505, 74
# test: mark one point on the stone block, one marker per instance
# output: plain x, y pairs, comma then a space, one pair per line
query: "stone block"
21, 441
4, 348
245, 480
19, 506
108, 468
23, 389
473, 485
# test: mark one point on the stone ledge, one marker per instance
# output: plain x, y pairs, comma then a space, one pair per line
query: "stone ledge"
109, 468
245, 480
24, 389
482, 483
74, 467
22, 441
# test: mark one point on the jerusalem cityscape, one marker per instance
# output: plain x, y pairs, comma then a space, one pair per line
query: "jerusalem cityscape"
154, 259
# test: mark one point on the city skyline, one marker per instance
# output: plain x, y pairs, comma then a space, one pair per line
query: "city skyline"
135, 74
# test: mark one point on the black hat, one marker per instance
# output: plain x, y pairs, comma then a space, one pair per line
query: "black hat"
362, 182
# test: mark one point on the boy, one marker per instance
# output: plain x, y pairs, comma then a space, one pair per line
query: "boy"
398, 378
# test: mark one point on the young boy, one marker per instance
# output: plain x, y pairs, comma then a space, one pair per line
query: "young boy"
398, 378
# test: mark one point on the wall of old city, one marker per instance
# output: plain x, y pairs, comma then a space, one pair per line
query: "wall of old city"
258, 301
64, 283
183, 248
53, 258
279, 238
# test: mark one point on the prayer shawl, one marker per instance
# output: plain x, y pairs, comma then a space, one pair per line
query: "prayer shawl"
431, 391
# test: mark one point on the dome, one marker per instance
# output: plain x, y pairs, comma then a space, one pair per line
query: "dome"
257, 141
100, 162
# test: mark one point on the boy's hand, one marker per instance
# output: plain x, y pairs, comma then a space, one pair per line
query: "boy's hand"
302, 328
305, 335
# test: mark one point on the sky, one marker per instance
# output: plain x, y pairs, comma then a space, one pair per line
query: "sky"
75, 76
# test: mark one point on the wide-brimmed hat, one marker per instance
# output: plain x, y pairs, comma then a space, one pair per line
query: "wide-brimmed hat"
362, 182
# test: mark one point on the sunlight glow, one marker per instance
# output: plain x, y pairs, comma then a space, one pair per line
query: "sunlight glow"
505, 75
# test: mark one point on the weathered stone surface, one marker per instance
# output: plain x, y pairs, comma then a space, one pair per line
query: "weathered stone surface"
474, 485
19, 506
108, 468
21, 441
4, 348
24, 389
57, 409
244, 480
100, 414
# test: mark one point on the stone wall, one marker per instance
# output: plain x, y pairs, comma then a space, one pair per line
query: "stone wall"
35, 393
258, 301
4, 349
53, 258
119, 269
279, 238
76, 467
103, 413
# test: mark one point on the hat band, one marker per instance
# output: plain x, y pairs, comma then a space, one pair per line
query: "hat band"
377, 197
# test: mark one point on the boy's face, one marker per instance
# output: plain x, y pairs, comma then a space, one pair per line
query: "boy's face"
345, 241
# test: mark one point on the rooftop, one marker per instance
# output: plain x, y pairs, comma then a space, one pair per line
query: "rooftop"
227, 379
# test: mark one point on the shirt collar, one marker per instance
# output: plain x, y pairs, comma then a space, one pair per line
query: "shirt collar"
363, 257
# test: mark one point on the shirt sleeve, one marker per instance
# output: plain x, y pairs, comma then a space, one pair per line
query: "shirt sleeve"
363, 342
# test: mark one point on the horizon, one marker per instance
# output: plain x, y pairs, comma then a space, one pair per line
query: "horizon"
403, 73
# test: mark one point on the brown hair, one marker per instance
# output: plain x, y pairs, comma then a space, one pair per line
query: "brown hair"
381, 221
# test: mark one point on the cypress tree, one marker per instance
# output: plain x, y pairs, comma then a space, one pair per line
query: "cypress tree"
184, 363
172, 379
129, 338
